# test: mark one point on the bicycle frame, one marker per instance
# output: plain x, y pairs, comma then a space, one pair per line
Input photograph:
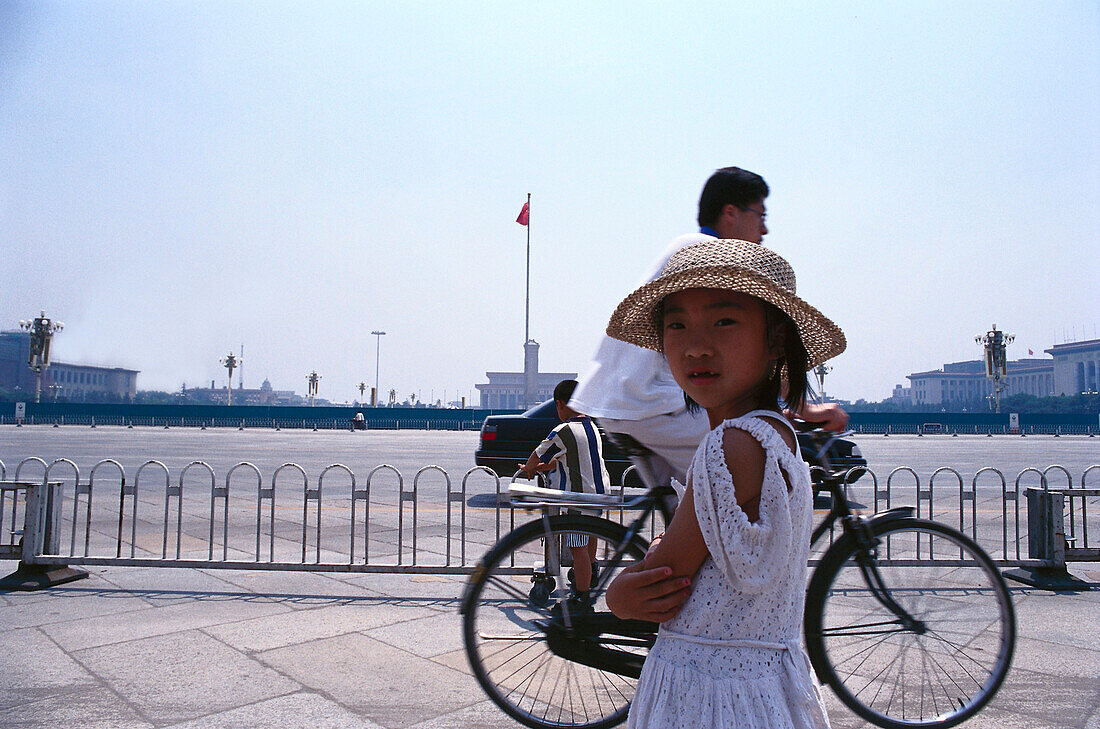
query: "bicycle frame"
655, 499
658, 498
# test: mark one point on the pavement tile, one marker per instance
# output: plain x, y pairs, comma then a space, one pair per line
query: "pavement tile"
87, 708
303, 625
293, 584
81, 600
166, 586
183, 676
446, 588
482, 714
33, 668
295, 710
1054, 618
992, 718
201, 611
426, 636
389, 686
455, 659
1047, 698
1057, 659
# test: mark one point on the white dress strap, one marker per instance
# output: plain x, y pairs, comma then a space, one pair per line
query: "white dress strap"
774, 417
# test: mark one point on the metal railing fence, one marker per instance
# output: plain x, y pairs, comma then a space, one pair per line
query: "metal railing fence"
385, 522
950, 430
94, 421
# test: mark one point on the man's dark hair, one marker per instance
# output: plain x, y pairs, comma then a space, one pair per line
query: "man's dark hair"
729, 186
564, 390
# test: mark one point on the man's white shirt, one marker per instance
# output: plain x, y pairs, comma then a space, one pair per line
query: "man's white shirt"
627, 382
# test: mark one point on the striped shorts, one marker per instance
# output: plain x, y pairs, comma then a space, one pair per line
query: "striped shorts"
575, 539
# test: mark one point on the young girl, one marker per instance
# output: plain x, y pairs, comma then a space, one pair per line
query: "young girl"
726, 316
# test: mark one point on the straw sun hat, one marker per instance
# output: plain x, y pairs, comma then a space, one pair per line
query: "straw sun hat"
735, 265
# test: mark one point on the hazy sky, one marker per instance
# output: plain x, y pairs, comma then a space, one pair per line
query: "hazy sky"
181, 177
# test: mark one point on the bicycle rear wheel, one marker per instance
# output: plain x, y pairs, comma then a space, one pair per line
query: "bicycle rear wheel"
543, 663
937, 657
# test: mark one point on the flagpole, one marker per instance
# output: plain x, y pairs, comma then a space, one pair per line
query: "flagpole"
527, 313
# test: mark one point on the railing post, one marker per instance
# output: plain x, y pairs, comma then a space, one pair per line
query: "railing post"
1046, 541
41, 534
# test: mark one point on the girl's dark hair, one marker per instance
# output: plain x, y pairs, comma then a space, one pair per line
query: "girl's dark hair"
793, 363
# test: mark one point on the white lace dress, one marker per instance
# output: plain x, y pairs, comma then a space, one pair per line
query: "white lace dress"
733, 656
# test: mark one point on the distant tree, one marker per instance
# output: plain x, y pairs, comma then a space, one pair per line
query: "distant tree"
156, 397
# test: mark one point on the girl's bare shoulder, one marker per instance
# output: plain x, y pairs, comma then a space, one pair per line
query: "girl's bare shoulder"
744, 458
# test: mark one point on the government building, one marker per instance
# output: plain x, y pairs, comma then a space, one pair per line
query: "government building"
1072, 369
73, 382
504, 390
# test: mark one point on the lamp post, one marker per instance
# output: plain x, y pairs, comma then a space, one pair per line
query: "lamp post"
42, 329
819, 372
377, 349
312, 378
995, 343
230, 363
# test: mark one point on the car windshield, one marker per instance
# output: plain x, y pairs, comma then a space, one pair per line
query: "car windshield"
542, 410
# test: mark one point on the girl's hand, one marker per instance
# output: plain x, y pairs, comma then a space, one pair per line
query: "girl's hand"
653, 545
655, 595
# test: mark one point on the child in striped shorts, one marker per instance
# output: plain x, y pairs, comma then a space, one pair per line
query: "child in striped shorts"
574, 452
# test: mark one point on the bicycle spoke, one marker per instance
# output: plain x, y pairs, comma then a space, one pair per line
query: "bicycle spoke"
861, 629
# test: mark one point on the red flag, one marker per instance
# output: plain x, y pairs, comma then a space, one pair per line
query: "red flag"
524, 214
1030, 352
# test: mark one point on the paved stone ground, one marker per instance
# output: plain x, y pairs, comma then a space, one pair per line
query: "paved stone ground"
132, 648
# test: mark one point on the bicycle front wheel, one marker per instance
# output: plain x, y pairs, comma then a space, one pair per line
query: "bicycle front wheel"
917, 631
543, 669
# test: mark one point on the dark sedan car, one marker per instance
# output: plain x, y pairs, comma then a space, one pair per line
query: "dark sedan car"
507, 441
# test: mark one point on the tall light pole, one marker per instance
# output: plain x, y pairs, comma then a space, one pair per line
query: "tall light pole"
377, 350
230, 363
819, 372
996, 344
42, 329
312, 378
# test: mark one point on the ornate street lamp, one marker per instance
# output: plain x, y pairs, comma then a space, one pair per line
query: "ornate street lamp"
230, 363
819, 373
42, 329
312, 378
996, 344
377, 348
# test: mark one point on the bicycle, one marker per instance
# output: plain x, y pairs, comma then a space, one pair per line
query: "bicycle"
902, 642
